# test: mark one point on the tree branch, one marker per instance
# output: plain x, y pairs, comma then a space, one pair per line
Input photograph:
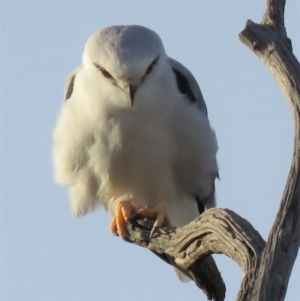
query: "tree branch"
269, 42
274, 14
266, 267
188, 248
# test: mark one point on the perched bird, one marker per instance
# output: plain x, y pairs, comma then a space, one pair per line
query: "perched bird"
133, 133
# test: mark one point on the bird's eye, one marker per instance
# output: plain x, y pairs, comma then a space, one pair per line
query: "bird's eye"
149, 69
151, 66
105, 73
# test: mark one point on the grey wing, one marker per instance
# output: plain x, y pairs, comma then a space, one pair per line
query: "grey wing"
69, 85
188, 84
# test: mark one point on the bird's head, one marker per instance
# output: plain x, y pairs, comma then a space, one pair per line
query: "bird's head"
124, 56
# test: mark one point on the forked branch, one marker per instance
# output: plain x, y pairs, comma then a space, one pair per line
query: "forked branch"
270, 43
266, 267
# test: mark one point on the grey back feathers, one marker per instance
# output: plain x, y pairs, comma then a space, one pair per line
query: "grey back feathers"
187, 84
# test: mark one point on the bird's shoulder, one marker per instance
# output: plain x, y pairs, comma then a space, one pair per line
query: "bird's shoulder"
187, 84
70, 83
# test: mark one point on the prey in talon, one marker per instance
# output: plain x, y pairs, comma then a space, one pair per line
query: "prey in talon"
134, 123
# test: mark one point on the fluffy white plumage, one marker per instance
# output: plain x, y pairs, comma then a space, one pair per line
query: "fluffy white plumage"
134, 124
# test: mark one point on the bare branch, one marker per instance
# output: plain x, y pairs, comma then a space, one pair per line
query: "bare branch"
274, 14
215, 231
270, 43
266, 267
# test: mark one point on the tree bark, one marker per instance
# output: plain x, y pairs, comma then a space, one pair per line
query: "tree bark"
270, 43
188, 248
267, 266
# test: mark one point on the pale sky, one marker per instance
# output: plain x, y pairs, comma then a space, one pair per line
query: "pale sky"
46, 253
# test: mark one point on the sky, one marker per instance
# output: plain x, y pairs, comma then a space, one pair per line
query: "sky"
46, 253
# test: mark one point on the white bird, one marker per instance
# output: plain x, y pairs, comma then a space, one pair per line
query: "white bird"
133, 133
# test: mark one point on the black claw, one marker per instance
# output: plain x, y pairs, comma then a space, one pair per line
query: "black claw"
152, 231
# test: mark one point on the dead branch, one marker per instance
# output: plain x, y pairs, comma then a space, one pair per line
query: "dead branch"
215, 231
270, 43
266, 267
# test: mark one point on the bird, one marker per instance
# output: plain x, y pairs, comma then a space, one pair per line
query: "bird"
133, 133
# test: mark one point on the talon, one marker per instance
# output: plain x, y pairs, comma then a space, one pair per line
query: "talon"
153, 231
127, 209
124, 211
158, 212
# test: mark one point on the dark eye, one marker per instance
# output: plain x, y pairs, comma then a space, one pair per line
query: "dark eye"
151, 66
149, 69
105, 73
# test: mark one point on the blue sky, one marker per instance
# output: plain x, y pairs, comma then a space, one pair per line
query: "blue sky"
47, 254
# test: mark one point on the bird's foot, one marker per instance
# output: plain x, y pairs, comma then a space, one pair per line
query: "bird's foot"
124, 211
158, 212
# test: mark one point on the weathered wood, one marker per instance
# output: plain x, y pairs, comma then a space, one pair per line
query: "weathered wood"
215, 231
266, 267
270, 43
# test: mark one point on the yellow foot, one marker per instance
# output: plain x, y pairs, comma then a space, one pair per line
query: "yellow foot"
158, 212
127, 209
124, 210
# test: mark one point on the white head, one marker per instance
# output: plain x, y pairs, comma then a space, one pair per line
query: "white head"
125, 56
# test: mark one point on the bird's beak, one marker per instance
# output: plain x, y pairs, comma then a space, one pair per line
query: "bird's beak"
130, 91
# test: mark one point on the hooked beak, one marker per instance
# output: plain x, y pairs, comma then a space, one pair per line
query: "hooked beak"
130, 91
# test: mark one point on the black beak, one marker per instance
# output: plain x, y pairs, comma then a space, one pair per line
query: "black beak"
131, 91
